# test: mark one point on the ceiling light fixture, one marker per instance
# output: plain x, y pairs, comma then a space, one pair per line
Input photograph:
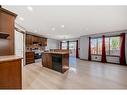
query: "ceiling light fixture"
21, 18
30, 8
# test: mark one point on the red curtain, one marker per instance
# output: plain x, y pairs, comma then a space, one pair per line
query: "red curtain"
103, 57
77, 53
122, 49
60, 45
89, 52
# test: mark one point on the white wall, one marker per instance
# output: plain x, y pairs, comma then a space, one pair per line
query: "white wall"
84, 45
52, 44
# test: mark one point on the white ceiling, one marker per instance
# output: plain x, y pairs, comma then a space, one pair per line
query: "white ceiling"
77, 20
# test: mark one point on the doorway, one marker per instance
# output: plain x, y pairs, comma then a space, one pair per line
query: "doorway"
71, 45
72, 49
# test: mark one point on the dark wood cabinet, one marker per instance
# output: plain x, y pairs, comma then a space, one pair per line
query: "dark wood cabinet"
44, 41
30, 39
34, 38
47, 60
58, 61
7, 22
30, 57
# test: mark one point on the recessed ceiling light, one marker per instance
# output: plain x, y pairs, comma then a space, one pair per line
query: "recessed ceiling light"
62, 26
53, 29
21, 18
30, 8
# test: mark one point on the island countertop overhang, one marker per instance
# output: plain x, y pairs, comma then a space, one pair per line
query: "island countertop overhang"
62, 53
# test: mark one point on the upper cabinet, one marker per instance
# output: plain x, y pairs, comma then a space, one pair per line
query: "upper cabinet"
7, 22
44, 42
28, 40
32, 39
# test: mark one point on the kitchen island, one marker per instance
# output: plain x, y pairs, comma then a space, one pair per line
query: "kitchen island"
58, 61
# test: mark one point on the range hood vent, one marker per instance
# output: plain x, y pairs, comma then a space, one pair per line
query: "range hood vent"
3, 35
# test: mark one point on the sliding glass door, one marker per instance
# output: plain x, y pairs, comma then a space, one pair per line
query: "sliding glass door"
72, 49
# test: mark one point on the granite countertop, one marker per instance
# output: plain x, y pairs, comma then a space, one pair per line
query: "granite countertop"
9, 58
57, 52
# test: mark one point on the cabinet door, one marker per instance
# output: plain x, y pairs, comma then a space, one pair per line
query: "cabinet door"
34, 39
40, 40
7, 26
28, 40
44, 41
49, 61
44, 60
11, 74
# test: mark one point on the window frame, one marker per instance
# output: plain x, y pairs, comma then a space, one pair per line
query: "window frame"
109, 46
97, 45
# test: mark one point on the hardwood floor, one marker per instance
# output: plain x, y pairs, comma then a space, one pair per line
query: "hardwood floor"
81, 75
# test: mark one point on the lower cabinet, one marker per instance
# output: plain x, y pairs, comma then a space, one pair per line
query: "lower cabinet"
47, 60
58, 62
30, 57
11, 74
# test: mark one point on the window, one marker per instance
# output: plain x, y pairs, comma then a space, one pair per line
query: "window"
93, 46
64, 45
96, 46
99, 46
72, 45
112, 45
115, 46
72, 48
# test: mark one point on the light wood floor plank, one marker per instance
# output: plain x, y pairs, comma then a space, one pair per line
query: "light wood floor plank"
81, 75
